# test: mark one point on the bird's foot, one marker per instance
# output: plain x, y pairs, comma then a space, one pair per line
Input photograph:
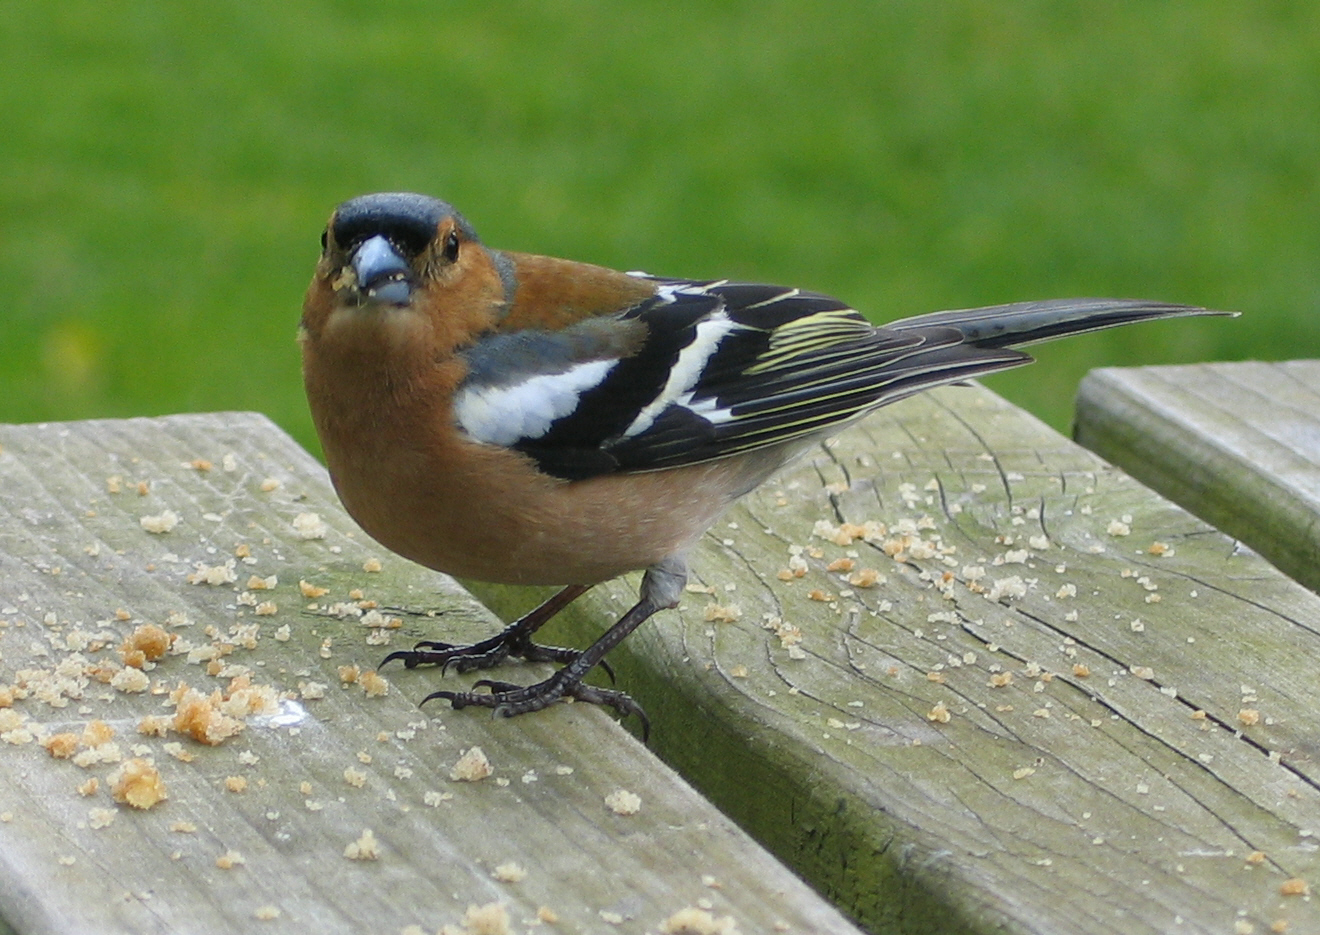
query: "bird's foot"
509, 700
510, 643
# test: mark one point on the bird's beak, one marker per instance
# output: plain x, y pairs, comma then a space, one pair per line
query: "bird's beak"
382, 275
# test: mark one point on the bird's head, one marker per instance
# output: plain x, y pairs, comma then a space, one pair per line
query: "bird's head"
396, 261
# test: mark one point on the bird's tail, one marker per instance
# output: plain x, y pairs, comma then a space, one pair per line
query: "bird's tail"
1022, 323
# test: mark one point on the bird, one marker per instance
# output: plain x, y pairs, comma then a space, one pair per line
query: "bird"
521, 419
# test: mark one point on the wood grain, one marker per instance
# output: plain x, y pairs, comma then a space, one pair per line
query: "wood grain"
1089, 793
1236, 443
76, 564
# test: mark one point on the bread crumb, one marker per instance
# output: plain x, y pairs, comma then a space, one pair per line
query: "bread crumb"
695, 921
355, 777
1249, 717
1000, 679
266, 913
61, 746
374, 684
1024, 772
1118, 528
269, 484
471, 766
349, 674
213, 575
1143, 672
372, 565
236, 783
940, 713
160, 523
1080, 670
1295, 887
866, 578
309, 526
547, 915
89, 787
138, 783
145, 644
99, 818
312, 591
366, 847
183, 827
230, 859
96, 733
509, 872
722, 613
623, 802
1256, 857
199, 717
130, 680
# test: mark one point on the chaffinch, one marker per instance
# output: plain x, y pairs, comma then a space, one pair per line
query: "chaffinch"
516, 418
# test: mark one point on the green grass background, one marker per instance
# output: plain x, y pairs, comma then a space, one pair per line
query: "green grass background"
167, 168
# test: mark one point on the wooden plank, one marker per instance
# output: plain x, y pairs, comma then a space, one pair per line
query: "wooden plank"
1235, 443
318, 770
1069, 800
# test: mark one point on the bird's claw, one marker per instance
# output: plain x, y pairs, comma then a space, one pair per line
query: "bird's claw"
509, 700
485, 654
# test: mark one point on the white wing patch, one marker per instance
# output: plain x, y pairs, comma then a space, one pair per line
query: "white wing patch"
505, 415
685, 372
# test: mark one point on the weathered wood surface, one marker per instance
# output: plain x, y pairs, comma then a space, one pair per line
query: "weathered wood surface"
1236, 443
73, 555
1070, 800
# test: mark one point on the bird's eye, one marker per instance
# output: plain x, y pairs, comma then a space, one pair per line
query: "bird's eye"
323, 240
451, 246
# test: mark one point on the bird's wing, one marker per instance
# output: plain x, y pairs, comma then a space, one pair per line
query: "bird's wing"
703, 370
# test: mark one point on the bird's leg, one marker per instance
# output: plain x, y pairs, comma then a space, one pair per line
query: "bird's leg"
514, 640
662, 586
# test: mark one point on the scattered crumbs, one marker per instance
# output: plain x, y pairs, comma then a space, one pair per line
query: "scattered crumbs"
695, 921
1118, 528
866, 578
365, 847
258, 583
138, 783
940, 713
623, 802
722, 613
213, 575
160, 523
230, 859
312, 591
471, 766
509, 872
374, 684
1295, 886
266, 913
309, 526
236, 783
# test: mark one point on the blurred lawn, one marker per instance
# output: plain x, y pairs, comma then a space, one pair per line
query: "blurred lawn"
168, 167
